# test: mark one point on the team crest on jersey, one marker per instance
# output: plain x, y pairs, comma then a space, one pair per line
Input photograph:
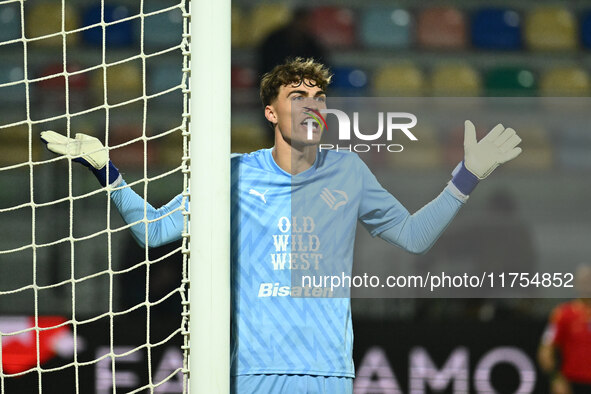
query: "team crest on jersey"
334, 198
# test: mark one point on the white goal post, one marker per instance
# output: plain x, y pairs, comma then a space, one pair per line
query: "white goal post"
210, 187
80, 308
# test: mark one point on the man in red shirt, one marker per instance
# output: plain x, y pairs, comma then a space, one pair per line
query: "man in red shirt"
569, 332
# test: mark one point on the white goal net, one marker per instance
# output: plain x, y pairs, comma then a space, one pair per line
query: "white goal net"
83, 307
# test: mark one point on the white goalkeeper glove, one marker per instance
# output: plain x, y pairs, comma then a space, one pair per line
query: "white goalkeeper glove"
482, 157
87, 150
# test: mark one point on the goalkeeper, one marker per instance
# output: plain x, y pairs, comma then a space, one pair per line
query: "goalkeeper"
282, 343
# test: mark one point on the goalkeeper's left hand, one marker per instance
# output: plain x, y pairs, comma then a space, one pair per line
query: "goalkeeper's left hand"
86, 150
482, 157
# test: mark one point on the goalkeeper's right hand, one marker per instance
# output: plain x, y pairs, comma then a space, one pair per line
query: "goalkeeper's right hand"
88, 151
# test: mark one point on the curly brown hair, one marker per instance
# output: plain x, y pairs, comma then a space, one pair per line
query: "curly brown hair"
293, 71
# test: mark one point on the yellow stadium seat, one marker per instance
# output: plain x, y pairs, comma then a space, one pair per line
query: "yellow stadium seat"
124, 82
247, 137
456, 80
265, 18
551, 28
565, 81
399, 80
14, 146
239, 28
170, 149
46, 18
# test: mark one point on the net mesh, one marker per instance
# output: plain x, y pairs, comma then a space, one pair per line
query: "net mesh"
83, 307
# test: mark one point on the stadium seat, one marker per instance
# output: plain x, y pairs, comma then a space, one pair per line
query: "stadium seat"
496, 29
117, 35
239, 28
442, 28
334, 26
586, 29
12, 73
550, 28
170, 148
246, 137
132, 155
75, 82
565, 81
455, 80
243, 77
399, 80
14, 146
386, 28
124, 82
349, 80
163, 76
10, 19
510, 81
51, 94
265, 18
46, 18
163, 29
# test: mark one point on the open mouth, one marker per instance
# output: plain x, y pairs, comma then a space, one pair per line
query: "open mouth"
310, 122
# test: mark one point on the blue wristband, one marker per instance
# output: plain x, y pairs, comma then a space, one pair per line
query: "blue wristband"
464, 180
101, 174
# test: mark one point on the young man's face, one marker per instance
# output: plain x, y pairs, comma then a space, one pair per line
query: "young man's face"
294, 110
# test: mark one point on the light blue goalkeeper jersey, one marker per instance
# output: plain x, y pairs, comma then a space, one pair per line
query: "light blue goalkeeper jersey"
286, 226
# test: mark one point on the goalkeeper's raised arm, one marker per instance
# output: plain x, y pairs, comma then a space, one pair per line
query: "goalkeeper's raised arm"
384, 216
161, 225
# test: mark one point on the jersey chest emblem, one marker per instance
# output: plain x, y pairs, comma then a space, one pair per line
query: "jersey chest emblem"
334, 198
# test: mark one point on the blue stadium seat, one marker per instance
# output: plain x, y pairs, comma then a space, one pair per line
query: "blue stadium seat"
164, 76
163, 29
12, 73
10, 20
496, 28
349, 80
585, 29
117, 35
386, 27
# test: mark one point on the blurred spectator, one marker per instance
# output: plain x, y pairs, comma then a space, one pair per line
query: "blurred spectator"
292, 40
568, 335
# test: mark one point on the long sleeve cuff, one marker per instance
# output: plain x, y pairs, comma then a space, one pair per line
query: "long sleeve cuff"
464, 180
